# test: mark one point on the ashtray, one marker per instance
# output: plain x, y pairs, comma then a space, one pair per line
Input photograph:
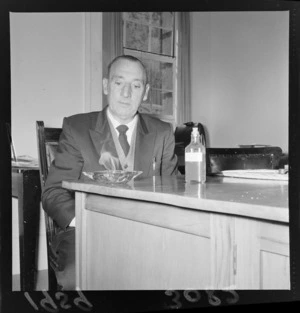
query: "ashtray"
113, 176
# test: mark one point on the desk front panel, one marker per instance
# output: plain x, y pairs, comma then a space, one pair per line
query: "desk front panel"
129, 255
134, 245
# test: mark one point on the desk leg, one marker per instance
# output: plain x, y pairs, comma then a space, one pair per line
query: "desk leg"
80, 240
29, 216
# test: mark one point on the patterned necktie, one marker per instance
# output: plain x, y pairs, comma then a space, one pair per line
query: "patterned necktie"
123, 138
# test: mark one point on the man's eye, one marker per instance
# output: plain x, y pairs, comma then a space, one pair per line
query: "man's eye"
117, 83
137, 86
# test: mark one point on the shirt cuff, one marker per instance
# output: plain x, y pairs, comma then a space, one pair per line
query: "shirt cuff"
72, 224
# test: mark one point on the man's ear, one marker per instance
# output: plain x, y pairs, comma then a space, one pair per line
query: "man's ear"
146, 92
105, 86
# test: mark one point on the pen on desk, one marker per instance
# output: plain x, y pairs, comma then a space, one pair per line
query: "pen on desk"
153, 176
153, 165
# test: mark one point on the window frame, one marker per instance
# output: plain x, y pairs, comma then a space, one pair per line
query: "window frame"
170, 118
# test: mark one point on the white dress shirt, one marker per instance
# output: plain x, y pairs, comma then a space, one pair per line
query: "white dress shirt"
130, 125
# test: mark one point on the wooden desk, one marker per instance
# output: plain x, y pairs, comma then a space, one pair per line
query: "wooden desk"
26, 187
162, 233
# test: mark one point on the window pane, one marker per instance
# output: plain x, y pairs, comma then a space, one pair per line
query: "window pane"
160, 74
139, 17
137, 36
153, 73
160, 77
167, 103
150, 37
161, 41
162, 19
158, 103
156, 97
167, 76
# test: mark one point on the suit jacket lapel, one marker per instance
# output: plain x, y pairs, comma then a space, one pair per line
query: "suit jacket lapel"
101, 136
144, 148
103, 141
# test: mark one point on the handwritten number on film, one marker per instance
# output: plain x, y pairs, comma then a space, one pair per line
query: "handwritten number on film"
195, 296
49, 304
83, 303
176, 298
192, 295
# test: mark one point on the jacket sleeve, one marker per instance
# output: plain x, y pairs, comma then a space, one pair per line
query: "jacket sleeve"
169, 158
59, 203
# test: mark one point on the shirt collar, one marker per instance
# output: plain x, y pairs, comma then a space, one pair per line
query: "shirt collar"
115, 123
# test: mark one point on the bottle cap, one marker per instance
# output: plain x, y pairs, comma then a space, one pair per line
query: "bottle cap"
195, 131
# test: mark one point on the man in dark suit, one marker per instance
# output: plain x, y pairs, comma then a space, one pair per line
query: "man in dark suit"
116, 138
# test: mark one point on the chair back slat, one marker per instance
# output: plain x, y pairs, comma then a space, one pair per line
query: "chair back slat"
52, 134
47, 145
47, 142
51, 149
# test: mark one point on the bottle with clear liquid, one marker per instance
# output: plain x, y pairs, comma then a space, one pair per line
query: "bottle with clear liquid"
195, 159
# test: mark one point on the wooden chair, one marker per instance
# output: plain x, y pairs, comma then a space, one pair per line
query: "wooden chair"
47, 139
219, 159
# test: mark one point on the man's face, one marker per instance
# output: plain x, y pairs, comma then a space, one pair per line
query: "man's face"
125, 89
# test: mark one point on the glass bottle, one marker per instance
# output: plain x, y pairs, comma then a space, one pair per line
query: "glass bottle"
195, 159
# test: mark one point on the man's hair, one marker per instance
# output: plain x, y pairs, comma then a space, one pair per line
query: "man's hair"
129, 58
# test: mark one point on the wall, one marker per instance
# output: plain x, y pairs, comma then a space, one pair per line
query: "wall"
47, 83
56, 71
47, 72
240, 77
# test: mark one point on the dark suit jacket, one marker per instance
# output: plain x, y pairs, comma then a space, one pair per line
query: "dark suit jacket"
81, 141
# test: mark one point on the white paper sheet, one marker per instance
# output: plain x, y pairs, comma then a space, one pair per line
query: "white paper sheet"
256, 174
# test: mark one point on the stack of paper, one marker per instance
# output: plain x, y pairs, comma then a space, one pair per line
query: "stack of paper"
256, 174
25, 161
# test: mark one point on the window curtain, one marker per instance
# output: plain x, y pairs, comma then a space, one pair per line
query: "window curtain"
116, 34
112, 37
112, 28
184, 80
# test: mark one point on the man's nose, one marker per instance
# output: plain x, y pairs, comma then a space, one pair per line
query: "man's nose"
126, 91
